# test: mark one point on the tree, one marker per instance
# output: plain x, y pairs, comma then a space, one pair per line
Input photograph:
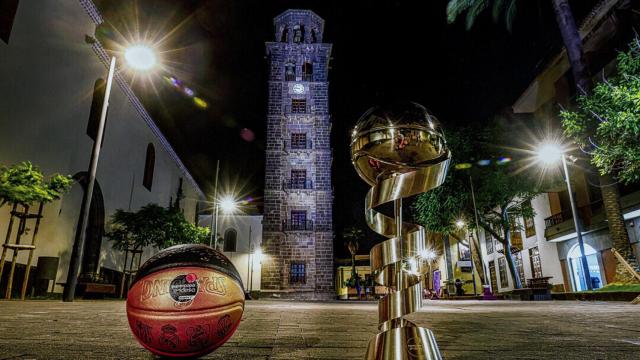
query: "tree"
352, 237
153, 225
606, 125
575, 53
25, 184
502, 191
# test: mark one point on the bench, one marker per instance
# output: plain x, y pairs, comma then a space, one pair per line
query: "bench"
537, 289
93, 290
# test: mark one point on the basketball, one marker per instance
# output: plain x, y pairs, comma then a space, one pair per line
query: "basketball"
185, 301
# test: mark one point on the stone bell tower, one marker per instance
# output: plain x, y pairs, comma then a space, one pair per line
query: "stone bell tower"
297, 226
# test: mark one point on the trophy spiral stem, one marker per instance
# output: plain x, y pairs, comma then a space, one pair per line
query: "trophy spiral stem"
400, 150
400, 338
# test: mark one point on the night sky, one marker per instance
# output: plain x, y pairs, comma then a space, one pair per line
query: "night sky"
382, 50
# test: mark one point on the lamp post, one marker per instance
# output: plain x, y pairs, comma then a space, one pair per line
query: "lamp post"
138, 57
549, 154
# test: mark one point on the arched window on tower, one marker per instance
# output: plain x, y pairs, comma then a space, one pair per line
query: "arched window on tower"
298, 34
290, 72
307, 72
230, 237
149, 167
284, 36
314, 35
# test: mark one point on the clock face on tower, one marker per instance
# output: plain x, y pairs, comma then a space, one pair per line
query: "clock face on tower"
298, 88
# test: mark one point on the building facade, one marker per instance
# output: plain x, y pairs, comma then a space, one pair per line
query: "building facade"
48, 101
298, 231
549, 243
242, 244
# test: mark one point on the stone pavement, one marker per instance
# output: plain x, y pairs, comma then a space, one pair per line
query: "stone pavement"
297, 330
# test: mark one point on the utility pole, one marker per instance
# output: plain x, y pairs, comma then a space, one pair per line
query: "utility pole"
214, 211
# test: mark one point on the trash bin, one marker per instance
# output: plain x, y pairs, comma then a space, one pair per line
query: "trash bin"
46, 270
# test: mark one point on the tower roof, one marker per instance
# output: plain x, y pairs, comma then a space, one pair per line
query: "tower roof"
308, 18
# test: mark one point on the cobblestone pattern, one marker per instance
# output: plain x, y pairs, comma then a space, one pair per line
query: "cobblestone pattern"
295, 330
312, 247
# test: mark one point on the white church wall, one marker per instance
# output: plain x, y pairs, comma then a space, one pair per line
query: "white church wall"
48, 73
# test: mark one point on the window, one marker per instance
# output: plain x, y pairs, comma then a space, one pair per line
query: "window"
8, 9
230, 237
298, 106
502, 267
514, 230
149, 165
464, 253
529, 225
290, 72
298, 217
520, 265
299, 141
297, 273
298, 178
298, 33
489, 242
284, 37
96, 109
314, 35
536, 265
307, 72
499, 247
492, 274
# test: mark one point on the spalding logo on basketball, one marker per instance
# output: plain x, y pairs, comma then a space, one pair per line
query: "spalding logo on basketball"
186, 301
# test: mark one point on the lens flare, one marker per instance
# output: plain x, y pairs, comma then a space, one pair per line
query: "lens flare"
462, 166
503, 160
200, 102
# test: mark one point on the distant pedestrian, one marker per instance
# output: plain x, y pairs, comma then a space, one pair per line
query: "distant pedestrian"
459, 290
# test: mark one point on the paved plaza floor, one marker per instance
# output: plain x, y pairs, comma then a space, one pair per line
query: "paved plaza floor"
299, 330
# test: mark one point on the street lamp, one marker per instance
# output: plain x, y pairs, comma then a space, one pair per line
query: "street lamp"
228, 205
138, 57
549, 154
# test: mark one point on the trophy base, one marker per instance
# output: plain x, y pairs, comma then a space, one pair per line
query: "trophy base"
404, 343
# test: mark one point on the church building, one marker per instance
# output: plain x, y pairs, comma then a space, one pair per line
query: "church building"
297, 226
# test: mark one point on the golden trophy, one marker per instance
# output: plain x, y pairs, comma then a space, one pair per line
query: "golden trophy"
400, 151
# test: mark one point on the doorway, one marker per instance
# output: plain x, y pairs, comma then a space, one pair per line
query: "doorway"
95, 228
577, 270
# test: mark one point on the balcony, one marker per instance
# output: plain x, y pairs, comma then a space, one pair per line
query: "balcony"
591, 216
298, 184
297, 225
298, 145
297, 109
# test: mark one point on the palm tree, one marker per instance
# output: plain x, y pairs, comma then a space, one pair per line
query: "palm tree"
575, 53
352, 237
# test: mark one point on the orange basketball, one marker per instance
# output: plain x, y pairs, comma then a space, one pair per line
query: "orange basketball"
186, 301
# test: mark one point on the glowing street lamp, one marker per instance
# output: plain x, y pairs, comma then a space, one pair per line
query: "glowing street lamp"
138, 57
460, 223
228, 205
549, 154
